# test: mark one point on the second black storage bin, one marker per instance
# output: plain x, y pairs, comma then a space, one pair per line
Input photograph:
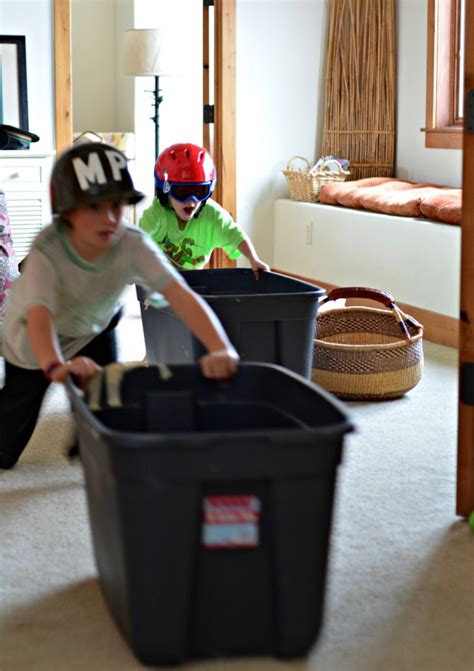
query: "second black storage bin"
271, 319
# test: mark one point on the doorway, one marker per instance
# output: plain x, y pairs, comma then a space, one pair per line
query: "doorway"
224, 145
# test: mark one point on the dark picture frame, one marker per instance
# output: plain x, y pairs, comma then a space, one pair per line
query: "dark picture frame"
13, 84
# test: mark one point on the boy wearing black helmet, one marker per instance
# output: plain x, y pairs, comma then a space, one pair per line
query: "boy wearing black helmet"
183, 219
61, 310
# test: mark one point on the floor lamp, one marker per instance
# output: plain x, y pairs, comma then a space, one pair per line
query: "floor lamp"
144, 55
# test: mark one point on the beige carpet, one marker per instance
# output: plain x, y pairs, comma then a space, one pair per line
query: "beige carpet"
400, 585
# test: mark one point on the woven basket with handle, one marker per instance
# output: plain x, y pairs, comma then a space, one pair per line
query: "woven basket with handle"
366, 354
305, 183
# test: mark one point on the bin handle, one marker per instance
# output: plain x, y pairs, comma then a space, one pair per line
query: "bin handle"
403, 320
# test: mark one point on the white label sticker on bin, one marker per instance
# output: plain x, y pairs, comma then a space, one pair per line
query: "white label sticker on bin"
231, 521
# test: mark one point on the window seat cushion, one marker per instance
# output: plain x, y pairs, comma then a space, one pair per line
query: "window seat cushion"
444, 205
388, 195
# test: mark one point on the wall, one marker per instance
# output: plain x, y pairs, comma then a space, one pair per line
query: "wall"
94, 70
280, 73
181, 109
33, 19
105, 100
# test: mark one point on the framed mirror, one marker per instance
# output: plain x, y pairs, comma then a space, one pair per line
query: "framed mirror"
13, 88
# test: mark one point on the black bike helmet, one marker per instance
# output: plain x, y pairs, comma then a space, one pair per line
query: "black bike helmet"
91, 172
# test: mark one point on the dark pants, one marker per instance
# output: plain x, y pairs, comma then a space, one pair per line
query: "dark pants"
23, 392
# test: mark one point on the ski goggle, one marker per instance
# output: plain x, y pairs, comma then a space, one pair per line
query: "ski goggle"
184, 192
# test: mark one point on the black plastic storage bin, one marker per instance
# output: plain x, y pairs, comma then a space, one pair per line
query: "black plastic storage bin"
210, 508
271, 319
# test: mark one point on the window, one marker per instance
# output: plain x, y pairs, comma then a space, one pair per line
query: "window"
445, 74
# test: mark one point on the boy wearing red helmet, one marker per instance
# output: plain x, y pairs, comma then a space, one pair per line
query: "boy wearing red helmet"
183, 219
64, 306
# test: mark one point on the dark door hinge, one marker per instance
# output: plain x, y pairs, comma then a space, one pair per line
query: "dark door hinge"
208, 113
469, 112
467, 384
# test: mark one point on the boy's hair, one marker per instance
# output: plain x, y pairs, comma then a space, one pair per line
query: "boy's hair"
91, 172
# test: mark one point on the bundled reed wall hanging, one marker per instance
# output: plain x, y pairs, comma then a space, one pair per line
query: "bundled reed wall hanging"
359, 120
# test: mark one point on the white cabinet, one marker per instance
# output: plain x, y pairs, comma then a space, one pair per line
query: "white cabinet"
24, 177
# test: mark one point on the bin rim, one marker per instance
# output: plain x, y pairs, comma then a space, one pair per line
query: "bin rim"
207, 439
312, 290
345, 425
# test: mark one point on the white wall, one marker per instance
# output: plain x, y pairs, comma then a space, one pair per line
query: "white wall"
124, 86
33, 19
181, 109
102, 98
280, 74
93, 69
105, 100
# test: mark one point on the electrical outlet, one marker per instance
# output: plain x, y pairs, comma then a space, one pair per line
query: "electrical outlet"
309, 233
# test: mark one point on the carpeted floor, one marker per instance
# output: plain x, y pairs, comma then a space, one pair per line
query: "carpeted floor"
400, 588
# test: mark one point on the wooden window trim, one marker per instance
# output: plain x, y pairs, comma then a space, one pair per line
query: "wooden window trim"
443, 130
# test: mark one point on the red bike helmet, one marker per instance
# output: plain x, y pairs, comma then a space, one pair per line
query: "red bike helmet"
182, 167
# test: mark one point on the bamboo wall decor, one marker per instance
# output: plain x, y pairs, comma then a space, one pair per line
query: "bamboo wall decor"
359, 119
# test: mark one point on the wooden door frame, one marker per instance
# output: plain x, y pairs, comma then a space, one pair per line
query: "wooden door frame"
62, 73
221, 143
465, 466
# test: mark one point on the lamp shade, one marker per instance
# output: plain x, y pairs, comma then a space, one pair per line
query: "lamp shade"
145, 53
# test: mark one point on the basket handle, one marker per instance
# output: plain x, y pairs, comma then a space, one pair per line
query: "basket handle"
301, 158
361, 292
375, 295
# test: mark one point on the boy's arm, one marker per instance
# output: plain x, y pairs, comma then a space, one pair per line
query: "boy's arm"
248, 250
221, 362
45, 346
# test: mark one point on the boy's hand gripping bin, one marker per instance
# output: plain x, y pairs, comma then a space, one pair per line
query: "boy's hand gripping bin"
210, 508
271, 319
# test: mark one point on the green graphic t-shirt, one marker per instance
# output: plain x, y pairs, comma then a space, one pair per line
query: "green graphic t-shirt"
191, 248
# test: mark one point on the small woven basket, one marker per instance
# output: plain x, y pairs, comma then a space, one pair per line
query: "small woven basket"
367, 354
305, 183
